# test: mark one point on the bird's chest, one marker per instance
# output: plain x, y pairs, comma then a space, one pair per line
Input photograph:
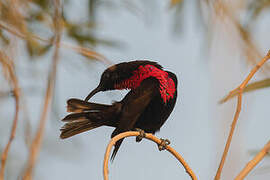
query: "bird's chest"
166, 84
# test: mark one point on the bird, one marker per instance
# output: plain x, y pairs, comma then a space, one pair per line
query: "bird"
148, 104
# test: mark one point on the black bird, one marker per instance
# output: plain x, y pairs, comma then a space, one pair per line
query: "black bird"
146, 106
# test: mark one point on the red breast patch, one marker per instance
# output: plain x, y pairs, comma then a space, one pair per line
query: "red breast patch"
166, 88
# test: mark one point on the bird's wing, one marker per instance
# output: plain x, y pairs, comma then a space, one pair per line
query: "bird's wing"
134, 105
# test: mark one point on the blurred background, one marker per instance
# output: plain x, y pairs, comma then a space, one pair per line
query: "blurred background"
210, 45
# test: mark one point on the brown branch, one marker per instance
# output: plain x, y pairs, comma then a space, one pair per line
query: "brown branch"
249, 88
251, 74
239, 90
36, 143
149, 137
250, 49
251, 164
6, 62
79, 49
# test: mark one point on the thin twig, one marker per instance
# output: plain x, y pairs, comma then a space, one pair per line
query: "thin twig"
251, 74
251, 50
16, 91
238, 110
249, 88
251, 164
149, 137
79, 49
36, 143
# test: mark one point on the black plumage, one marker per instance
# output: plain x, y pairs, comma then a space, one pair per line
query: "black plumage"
146, 106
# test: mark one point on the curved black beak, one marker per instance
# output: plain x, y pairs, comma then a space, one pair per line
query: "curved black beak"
93, 93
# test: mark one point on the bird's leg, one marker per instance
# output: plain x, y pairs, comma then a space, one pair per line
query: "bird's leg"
141, 136
164, 143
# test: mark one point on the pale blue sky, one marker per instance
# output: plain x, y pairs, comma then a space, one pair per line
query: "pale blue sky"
198, 126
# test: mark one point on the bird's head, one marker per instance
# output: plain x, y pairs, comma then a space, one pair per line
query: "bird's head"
117, 76
108, 78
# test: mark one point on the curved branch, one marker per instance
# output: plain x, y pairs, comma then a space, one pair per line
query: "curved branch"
8, 63
239, 91
251, 164
148, 136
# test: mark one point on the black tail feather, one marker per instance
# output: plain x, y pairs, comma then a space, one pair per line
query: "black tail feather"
77, 105
73, 128
116, 148
82, 116
117, 144
87, 116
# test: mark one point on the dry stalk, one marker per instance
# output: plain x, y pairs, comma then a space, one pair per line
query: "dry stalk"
36, 143
250, 49
8, 64
79, 49
250, 87
251, 164
239, 90
148, 136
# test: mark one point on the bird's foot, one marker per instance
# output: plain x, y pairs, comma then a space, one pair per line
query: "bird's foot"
164, 143
141, 136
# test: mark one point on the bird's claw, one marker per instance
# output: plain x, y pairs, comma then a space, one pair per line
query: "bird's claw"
141, 136
163, 144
